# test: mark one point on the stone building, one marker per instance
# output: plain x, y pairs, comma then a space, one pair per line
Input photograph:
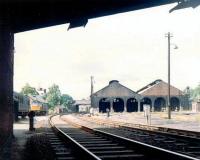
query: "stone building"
156, 93
117, 98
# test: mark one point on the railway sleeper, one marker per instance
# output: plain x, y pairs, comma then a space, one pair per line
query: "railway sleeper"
102, 144
113, 152
53, 137
88, 139
56, 143
54, 140
58, 146
92, 139
95, 142
193, 148
82, 136
113, 148
194, 153
65, 158
127, 156
62, 154
74, 134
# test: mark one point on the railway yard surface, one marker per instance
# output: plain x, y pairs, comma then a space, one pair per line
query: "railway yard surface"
180, 120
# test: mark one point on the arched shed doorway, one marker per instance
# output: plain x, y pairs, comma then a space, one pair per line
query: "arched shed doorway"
145, 100
104, 103
118, 105
175, 104
159, 104
132, 105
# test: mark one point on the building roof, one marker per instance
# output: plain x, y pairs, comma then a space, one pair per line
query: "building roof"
33, 14
159, 88
82, 102
115, 89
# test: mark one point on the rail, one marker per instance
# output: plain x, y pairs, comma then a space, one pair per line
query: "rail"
142, 147
82, 150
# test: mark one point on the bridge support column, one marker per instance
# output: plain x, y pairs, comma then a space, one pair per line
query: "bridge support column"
6, 78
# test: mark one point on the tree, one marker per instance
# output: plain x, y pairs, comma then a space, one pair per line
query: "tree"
53, 96
28, 90
195, 93
66, 101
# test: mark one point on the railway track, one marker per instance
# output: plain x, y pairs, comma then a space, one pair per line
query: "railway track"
171, 131
88, 143
183, 144
61, 150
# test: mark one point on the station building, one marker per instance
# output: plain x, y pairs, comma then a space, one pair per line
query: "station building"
118, 98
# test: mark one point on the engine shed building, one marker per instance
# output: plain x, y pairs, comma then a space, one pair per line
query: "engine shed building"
117, 98
156, 93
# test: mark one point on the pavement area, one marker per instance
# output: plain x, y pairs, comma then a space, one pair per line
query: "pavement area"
22, 133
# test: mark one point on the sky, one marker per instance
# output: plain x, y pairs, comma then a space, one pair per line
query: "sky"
130, 47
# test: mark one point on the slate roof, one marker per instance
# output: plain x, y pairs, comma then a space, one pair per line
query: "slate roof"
159, 88
82, 102
115, 89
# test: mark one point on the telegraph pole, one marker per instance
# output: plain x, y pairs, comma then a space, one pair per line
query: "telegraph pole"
169, 35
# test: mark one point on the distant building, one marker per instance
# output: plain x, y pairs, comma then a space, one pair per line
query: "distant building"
156, 94
82, 105
117, 98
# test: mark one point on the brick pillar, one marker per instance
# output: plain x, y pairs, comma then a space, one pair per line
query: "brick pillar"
111, 104
125, 104
6, 77
139, 101
152, 103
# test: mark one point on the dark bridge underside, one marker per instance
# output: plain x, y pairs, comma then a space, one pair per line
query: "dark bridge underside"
32, 14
